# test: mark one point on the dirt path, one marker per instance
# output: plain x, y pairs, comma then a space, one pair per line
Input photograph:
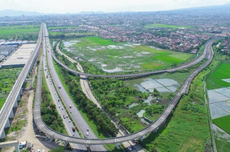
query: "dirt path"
28, 133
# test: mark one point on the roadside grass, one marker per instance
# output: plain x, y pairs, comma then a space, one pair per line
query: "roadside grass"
17, 125
188, 127
11, 30
223, 123
222, 142
167, 26
7, 80
215, 81
2, 101
59, 127
92, 125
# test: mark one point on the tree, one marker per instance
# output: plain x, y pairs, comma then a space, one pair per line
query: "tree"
58, 149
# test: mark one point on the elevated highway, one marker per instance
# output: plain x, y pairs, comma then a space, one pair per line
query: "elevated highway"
12, 100
208, 53
137, 75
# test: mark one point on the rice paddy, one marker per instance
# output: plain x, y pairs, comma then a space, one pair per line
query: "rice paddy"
115, 56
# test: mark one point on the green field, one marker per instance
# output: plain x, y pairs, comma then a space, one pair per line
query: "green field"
223, 123
167, 26
62, 27
12, 30
7, 80
94, 41
188, 128
215, 81
125, 56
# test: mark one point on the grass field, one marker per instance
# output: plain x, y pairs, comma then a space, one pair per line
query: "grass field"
12, 30
188, 128
215, 81
110, 55
223, 123
62, 27
7, 80
167, 26
94, 41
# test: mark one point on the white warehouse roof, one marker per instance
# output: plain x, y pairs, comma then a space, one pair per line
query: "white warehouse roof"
20, 57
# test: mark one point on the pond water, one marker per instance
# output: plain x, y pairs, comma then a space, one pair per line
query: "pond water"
140, 113
132, 105
140, 88
148, 101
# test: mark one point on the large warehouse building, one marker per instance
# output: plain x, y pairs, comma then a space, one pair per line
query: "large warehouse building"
20, 57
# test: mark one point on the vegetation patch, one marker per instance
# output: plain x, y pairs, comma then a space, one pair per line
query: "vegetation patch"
188, 128
7, 80
223, 123
106, 54
17, 125
168, 26
49, 112
214, 81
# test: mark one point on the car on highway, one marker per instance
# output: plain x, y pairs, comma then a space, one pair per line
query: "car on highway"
130, 148
73, 129
70, 106
59, 106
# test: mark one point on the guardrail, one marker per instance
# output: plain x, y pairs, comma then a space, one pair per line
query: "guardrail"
14, 95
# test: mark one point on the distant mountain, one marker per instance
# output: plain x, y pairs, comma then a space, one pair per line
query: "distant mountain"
91, 12
18, 13
216, 9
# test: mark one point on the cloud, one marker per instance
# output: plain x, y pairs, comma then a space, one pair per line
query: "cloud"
74, 6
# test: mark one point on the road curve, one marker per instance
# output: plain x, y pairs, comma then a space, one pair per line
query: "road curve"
124, 76
208, 53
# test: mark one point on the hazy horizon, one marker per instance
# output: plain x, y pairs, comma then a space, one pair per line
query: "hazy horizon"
75, 6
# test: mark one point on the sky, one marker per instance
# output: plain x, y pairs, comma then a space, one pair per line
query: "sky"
76, 6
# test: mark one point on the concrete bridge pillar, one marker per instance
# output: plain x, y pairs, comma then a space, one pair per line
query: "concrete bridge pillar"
141, 139
18, 97
7, 124
2, 134
117, 145
156, 129
21, 92
16, 104
11, 114
16, 147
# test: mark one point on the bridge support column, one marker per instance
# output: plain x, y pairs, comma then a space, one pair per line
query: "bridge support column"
117, 145
17, 148
141, 139
2, 134
16, 104
21, 92
7, 124
156, 129
19, 96
11, 114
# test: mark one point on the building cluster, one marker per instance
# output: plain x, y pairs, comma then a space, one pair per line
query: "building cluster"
225, 46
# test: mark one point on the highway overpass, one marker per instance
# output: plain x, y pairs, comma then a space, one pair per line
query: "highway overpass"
7, 112
137, 75
208, 53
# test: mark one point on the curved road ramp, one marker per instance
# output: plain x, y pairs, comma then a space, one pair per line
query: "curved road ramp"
208, 53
